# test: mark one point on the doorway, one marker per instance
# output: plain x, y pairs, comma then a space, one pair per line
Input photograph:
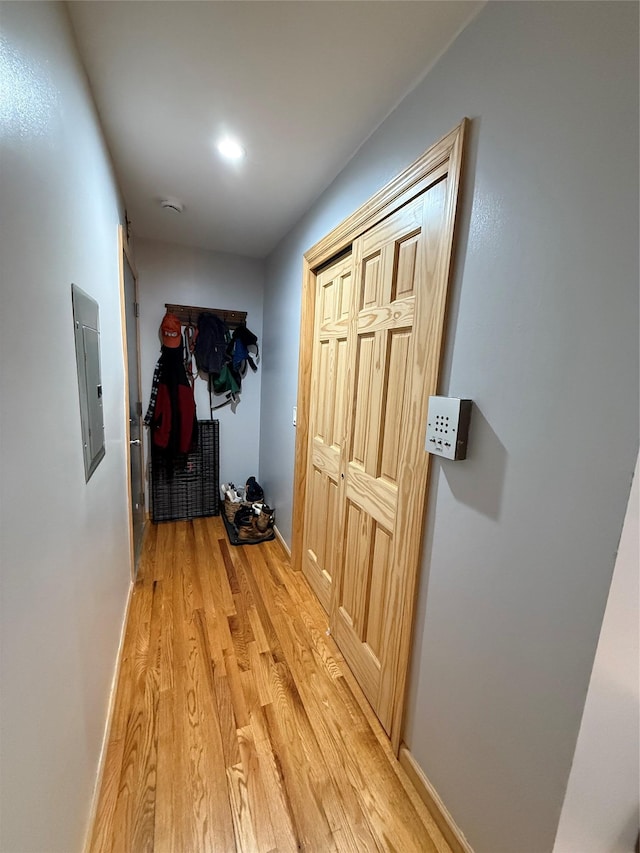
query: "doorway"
135, 465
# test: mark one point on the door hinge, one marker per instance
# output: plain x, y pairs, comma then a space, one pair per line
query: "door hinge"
136, 308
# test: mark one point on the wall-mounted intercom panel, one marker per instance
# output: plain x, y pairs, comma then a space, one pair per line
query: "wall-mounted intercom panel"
448, 427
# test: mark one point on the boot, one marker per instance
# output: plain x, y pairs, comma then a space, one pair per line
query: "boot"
251, 532
265, 520
230, 506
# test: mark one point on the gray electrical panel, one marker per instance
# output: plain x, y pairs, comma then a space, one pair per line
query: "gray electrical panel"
87, 335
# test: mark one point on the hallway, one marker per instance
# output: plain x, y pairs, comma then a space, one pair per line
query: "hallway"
237, 725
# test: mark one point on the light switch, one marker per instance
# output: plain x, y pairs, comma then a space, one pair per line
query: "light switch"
448, 427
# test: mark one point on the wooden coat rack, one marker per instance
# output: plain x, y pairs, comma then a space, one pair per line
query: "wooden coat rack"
190, 313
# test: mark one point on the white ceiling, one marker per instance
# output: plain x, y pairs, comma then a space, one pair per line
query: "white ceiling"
302, 84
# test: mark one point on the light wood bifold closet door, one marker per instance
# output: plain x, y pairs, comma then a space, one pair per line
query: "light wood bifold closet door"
378, 323
329, 402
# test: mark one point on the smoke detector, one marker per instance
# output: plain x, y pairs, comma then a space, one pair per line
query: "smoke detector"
172, 204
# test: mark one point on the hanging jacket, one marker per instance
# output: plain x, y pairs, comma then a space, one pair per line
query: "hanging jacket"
174, 427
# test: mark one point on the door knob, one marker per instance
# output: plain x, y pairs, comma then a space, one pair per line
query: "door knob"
135, 441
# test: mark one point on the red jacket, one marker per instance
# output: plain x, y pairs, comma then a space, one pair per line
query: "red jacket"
172, 414
167, 419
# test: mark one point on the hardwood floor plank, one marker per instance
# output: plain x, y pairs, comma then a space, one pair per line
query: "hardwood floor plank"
239, 797
145, 786
101, 839
166, 633
259, 664
319, 693
234, 586
338, 802
258, 803
241, 632
216, 591
215, 615
310, 823
265, 617
236, 724
162, 565
191, 592
356, 834
227, 719
354, 697
258, 631
250, 693
276, 797
165, 822
238, 701
310, 611
136, 736
210, 823
103, 829
165, 825
144, 587
220, 580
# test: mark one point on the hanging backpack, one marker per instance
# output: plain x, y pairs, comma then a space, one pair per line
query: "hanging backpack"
211, 344
211, 353
241, 340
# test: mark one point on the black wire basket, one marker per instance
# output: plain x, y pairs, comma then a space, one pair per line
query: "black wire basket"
187, 486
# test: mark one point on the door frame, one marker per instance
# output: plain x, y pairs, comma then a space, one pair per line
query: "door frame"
440, 160
124, 250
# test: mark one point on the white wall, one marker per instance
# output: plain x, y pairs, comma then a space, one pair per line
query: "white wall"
186, 276
64, 547
519, 539
600, 811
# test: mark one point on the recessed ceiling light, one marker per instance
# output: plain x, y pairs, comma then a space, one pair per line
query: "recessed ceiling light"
231, 149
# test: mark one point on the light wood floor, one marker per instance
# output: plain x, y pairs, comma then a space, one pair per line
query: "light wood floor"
237, 725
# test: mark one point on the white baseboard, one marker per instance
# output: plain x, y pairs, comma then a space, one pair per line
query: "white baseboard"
429, 796
107, 727
281, 540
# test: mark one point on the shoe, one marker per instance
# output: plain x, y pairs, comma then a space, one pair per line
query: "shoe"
265, 519
253, 490
251, 533
224, 488
231, 505
243, 516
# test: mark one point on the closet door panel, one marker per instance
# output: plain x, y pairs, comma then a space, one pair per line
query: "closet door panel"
393, 414
328, 413
383, 351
